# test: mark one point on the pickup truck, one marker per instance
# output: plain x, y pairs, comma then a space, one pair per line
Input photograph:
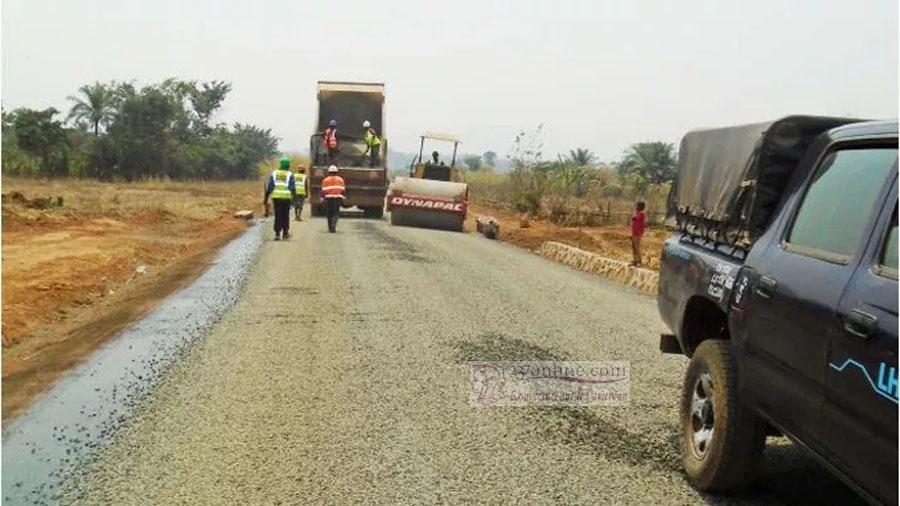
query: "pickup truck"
780, 284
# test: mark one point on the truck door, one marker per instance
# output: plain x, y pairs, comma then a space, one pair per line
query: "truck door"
797, 283
861, 379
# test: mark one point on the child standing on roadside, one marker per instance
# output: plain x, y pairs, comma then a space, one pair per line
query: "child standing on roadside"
638, 222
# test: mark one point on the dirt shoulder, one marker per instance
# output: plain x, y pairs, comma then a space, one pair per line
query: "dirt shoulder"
75, 274
612, 241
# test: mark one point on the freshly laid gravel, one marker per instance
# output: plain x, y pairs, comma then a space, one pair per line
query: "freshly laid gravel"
341, 377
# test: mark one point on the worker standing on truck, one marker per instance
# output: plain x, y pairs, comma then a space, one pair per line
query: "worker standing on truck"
282, 188
373, 143
300, 194
333, 190
638, 222
330, 139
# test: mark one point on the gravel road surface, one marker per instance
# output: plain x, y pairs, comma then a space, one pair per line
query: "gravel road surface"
341, 377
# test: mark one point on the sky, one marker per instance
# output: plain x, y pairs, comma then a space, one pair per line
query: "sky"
597, 74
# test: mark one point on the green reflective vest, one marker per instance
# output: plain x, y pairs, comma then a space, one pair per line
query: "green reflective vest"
281, 180
300, 184
371, 139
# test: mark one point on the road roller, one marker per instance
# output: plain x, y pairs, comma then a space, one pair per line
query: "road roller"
433, 195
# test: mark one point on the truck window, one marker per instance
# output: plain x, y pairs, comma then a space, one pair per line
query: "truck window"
888, 261
840, 198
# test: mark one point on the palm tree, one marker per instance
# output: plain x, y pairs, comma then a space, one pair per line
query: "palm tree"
94, 106
581, 157
654, 161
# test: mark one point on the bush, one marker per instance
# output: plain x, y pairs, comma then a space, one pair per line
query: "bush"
540, 191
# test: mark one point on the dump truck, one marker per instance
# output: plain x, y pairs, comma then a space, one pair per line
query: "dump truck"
349, 104
780, 284
433, 195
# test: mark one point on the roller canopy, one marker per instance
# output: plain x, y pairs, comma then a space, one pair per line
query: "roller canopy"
440, 136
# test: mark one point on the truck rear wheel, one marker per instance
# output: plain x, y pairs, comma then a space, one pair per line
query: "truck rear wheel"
373, 212
721, 440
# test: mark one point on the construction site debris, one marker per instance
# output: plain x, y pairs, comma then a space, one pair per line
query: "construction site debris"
487, 225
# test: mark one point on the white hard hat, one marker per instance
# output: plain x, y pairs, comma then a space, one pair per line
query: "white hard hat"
366, 124
332, 168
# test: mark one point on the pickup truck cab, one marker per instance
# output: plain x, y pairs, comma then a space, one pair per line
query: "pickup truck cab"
780, 283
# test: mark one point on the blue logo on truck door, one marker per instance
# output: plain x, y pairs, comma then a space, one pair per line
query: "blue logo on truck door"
885, 384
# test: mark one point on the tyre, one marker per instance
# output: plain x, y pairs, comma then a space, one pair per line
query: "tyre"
721, 440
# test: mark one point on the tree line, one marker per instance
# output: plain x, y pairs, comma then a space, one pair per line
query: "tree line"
119, 131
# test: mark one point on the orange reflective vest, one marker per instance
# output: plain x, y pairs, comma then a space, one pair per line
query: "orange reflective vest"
330, 137
333, 187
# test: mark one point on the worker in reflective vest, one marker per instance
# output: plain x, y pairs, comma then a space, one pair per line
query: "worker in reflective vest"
282, 188
333, 192
300, 194
330, 140
373, 143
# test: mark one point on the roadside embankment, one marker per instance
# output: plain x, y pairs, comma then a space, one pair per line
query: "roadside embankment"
83, 259
603, 250
611, 241
645, 280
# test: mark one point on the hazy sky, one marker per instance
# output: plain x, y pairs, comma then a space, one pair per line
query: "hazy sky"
598, 74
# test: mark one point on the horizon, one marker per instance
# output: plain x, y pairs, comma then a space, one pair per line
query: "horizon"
483, 72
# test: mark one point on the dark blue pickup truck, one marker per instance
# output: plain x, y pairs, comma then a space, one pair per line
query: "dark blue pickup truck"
780, 284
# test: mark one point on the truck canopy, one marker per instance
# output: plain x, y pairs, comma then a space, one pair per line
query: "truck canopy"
730, 180
350, 104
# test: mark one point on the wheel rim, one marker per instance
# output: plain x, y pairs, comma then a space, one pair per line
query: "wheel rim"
702, 415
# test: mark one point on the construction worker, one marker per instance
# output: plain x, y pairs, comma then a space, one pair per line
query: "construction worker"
436, 158
300, 195
282, 188
373, 143
330, 140
333, 191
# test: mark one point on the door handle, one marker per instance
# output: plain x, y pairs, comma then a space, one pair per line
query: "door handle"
860, 324
766, 287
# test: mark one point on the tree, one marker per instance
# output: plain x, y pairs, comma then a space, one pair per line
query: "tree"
94, 107
15, 159
252, 145
142, 136
570, 177
473, 162
529, 177
490, 159
527, 148
653, 161
38, 134
581, 157
206, 99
